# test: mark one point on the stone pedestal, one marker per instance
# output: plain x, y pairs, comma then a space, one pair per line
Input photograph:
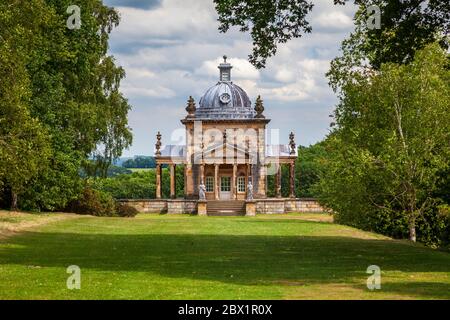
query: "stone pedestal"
250, 208
202, 208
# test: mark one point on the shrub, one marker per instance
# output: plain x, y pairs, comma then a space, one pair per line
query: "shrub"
124, 210
137, 185
94, 202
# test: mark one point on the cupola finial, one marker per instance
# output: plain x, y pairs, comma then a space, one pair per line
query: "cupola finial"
292, 143
259, 108
191, 108
158, 144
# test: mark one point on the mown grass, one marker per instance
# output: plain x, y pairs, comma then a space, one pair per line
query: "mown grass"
190, 257
140, 169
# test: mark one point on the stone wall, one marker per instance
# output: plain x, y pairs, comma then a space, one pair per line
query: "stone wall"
147, 205
270, 206
307, 205
263, 206
181, 206
276, 206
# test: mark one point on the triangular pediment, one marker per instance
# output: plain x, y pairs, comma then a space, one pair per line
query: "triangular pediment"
221, 150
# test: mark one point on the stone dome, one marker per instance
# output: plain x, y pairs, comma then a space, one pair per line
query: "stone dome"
225, 100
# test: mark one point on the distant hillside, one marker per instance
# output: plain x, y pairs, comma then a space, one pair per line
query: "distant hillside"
139, 162
118, 162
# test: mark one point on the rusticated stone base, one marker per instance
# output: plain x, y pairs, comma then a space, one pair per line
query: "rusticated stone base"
258, 206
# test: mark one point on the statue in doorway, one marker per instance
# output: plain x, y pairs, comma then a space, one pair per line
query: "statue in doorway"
202, 191
249, 190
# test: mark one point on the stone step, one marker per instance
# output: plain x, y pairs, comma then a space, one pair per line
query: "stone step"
226, 208
225, 213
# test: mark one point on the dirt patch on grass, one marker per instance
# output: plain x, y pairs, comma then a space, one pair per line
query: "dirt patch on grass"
12, 223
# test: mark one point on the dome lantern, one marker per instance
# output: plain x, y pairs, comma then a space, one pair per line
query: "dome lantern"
225, 100
225, 70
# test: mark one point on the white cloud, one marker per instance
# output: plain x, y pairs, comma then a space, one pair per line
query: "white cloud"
242, 69
333, 21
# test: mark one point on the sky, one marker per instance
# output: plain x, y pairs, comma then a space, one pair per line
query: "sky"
170, 49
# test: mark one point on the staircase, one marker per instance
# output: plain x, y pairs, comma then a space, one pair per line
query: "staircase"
226, 208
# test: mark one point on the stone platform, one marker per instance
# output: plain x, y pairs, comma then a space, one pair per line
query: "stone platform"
262, 206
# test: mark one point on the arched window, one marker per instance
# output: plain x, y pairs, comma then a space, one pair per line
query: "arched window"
241, 184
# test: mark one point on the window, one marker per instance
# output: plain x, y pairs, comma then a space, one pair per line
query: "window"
241, 184
225, 184
225, 76
209, 184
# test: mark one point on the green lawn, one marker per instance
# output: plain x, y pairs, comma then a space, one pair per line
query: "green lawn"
140, 169
189, 257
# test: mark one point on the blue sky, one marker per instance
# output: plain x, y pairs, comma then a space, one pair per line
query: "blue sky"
170, 49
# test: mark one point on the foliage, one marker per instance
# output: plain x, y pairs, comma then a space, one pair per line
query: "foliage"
406, 27
64, 89
124, 210
308, 168
140, 185
140, 162
112, 170
137, 185
24, 146
391, 144
269, 22
94, 202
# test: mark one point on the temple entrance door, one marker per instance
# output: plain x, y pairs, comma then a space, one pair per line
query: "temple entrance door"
225, 188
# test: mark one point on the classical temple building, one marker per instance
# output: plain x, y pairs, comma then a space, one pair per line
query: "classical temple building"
226, 159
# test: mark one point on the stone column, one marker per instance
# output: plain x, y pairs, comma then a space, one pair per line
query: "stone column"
158, 181
173, 187
234, 183
278, 182
292, 179
202, 173
216, 181
185, 180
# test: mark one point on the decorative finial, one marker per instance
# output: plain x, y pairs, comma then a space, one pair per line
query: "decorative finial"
259, 108
292, 143
191, 107
225, 58
158, 144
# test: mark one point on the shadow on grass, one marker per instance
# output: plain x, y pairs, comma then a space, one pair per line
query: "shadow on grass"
237, 259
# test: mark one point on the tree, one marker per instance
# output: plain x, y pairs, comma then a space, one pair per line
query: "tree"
73, 92
141, 162
391, 141
308, 169
407, 26
23, 141
269, 22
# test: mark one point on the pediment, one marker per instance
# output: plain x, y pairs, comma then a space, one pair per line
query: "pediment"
220, 151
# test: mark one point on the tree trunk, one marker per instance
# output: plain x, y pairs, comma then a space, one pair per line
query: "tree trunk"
13, 201
412, 229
